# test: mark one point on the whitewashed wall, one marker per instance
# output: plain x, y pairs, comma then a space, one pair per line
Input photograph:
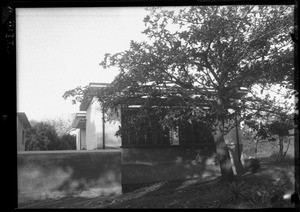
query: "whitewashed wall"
94, 129
83, 139
20, 129
80, 139
93, 126
110, 130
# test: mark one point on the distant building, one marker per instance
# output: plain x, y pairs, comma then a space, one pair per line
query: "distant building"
79, 123
22, 125
92, 130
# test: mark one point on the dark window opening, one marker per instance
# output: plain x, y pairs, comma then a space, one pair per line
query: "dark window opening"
148, 131
23, 137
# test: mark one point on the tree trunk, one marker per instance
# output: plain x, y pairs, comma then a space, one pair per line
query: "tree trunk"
287, 148
223, 154
256, 144
280, 154
239, 168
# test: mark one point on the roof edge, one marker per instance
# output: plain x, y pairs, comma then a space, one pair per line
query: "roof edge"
24, 119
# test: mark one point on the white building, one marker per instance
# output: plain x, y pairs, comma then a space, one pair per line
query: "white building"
93, 132
22, 125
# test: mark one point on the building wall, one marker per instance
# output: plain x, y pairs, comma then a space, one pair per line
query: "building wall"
83, 139
94, 126
153, 164
21, 135
77, 133
110, 130
53, 174
80, 139
94, 129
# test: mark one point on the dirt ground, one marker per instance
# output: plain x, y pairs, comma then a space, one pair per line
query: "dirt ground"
263, 189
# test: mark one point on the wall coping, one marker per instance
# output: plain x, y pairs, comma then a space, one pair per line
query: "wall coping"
68, 151
167, 146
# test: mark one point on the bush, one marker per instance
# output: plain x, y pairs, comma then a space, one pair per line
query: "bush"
68, 142
254, 164
274, 158
237, 191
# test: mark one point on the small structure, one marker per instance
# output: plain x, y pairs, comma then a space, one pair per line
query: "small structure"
22, 125
149, 151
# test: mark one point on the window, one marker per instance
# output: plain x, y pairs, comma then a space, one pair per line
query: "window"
23, 137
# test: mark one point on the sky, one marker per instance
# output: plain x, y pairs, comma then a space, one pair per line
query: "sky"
60, 48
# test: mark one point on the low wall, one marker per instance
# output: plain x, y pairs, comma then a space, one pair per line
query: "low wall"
150, 164
53, 174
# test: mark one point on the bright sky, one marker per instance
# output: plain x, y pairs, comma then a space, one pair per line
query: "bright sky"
61, 48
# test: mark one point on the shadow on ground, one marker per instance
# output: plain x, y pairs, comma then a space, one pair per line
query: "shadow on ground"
263, 189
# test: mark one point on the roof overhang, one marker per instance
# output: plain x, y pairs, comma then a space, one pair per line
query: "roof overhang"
239, 94
23, 118
79, 121
88, 99
176, 100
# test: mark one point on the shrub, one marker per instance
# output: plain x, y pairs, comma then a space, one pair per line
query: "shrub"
260, 199
275, 158
238, 191
254, 164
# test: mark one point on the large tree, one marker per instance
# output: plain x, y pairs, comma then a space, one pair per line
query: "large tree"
198, 58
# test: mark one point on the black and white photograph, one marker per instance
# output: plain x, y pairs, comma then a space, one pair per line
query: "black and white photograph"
156, 106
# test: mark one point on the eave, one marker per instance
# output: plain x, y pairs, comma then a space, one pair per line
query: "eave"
79, 121
23, 118
87, 99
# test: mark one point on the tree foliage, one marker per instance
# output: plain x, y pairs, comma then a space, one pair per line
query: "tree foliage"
272, 119
62, 125
201, 48
43, 136
198, 58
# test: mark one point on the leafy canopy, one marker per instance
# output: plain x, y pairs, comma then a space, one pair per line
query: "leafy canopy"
195, 62
199, 57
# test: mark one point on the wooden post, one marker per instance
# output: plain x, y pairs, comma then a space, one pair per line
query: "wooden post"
237, 138
103, 127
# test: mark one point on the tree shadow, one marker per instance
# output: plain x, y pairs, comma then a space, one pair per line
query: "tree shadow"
164, 194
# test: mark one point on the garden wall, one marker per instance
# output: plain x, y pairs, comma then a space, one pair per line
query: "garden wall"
150, 164
52, 174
